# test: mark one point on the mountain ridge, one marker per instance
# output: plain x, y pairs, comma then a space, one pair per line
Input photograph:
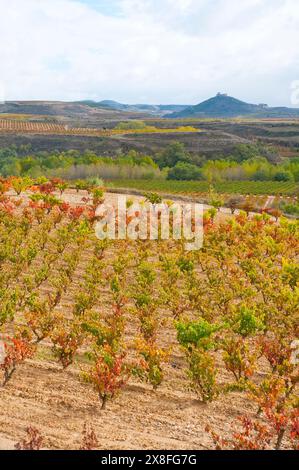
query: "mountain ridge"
224, 106
219, 106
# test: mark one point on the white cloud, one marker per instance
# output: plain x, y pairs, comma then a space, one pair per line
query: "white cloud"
153, 51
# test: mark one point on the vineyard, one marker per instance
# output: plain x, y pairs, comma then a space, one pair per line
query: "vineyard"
152, 346
199, 187
27, 127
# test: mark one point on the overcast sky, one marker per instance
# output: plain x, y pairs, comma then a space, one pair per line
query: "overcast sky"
149, 51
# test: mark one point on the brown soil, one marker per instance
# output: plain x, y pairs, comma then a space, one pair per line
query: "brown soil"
58, 404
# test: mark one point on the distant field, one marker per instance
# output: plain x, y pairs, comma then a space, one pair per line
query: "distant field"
22, 126
245, 120
18, 117
194, 187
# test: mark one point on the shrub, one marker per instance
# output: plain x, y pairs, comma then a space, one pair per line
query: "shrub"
248, 206
66, 344
292, 209
247, 322
252, 436
234, 203
16, 352
150, 368
238, 358
215, 200
203, 373
196, 334
97, 195
196, 339
33, 441
108, 374
20, 184
81, 185
256, 436
284, 176
89, 438
153, 198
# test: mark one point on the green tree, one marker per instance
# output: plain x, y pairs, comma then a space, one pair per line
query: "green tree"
185, 171
174, 153
284, 176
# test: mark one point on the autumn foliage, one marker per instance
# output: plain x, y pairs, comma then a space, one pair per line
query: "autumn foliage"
224, 317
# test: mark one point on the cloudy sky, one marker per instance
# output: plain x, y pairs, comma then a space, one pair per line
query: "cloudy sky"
153, 51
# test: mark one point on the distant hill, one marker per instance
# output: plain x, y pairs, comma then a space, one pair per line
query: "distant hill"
107, 104
157, 110
224, 106
89, 112
74, 113
50, 108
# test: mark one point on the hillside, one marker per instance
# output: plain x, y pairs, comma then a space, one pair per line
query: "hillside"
85, 113
88, 110
224, 106
50, 108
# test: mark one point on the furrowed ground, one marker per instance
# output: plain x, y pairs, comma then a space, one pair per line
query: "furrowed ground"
152, 346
